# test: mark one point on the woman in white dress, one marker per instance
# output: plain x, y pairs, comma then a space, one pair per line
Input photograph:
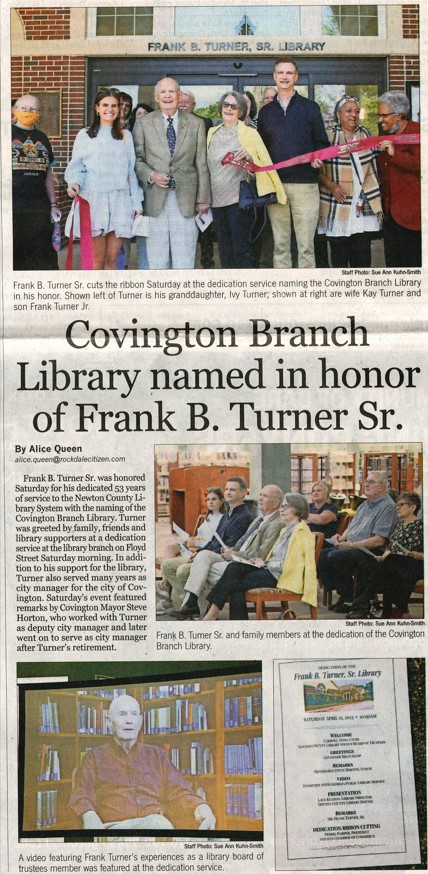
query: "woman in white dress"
102, 171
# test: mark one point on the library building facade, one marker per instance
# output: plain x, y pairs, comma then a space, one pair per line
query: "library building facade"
64, 54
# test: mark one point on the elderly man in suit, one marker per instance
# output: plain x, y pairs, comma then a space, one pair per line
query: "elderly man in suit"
257, 542
171, 165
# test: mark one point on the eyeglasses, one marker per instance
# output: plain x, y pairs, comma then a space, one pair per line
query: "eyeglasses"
371, 482
403, 504
227, 105
385, 114
26, 108
285, 505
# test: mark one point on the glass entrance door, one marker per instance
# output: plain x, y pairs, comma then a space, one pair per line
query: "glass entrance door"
320, 79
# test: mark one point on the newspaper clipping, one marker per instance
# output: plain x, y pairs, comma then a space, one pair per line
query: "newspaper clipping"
213, 437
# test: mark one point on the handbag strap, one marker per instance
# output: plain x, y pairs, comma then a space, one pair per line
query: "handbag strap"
86, 246
249, 177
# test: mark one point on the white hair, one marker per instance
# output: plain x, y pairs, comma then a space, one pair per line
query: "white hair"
117, 701
24, 97
189, 94
163, 80
398, 101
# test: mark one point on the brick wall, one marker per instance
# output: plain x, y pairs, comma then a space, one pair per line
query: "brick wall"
57, 72
411, 21
48, 24
402, 69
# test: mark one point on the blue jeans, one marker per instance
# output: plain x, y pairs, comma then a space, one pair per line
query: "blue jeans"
233, 232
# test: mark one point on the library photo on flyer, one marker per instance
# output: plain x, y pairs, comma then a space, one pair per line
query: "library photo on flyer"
345, 791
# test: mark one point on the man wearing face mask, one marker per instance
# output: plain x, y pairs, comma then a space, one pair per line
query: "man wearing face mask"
33, 186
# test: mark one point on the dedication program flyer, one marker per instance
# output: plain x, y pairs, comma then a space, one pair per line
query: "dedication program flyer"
344, 794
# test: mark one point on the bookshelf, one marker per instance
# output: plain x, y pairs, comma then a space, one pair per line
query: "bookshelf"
342, 473
307, 468
404, 468
211, 728
187, 487
165, 461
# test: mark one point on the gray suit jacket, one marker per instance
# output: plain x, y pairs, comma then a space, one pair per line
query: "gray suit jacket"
264, 538
259, 547
188, 163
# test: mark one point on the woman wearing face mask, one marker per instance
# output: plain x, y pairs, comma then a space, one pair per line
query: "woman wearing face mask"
400, 176
102, 171
350, 203
33, 186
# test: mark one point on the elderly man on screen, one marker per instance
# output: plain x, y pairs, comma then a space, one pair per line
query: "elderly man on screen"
125, 784
369, 531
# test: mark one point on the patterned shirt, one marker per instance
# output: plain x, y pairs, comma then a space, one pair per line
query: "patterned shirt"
410, 536
31, 158
120, 785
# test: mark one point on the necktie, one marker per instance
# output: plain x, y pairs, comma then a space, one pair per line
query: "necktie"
171, 137
249, 532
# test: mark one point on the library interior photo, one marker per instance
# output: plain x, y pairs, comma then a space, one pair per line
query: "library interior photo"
186, 474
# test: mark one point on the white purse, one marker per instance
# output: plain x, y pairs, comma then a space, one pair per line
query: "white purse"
140, 226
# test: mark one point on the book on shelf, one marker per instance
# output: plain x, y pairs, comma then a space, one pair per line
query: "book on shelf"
46, 808
49, 717
171, 690
243, 710
93, 719
48, 763
244, 800
192, 759
182, 715
244, 758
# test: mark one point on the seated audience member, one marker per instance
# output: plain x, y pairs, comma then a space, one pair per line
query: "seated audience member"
125, 784
231, 527
369, 529
400, 181
177, 555
291, 566
395, 572
350, 202
257, 542
34, 206
323, 515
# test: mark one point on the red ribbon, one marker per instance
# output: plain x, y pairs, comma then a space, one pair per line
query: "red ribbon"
323, 154
86, 247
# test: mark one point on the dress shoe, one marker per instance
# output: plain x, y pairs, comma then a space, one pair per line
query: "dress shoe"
358, 614
185, 612
341, 607
164, 606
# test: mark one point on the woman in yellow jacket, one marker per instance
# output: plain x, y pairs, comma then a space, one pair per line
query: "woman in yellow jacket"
232, 223
290, 566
